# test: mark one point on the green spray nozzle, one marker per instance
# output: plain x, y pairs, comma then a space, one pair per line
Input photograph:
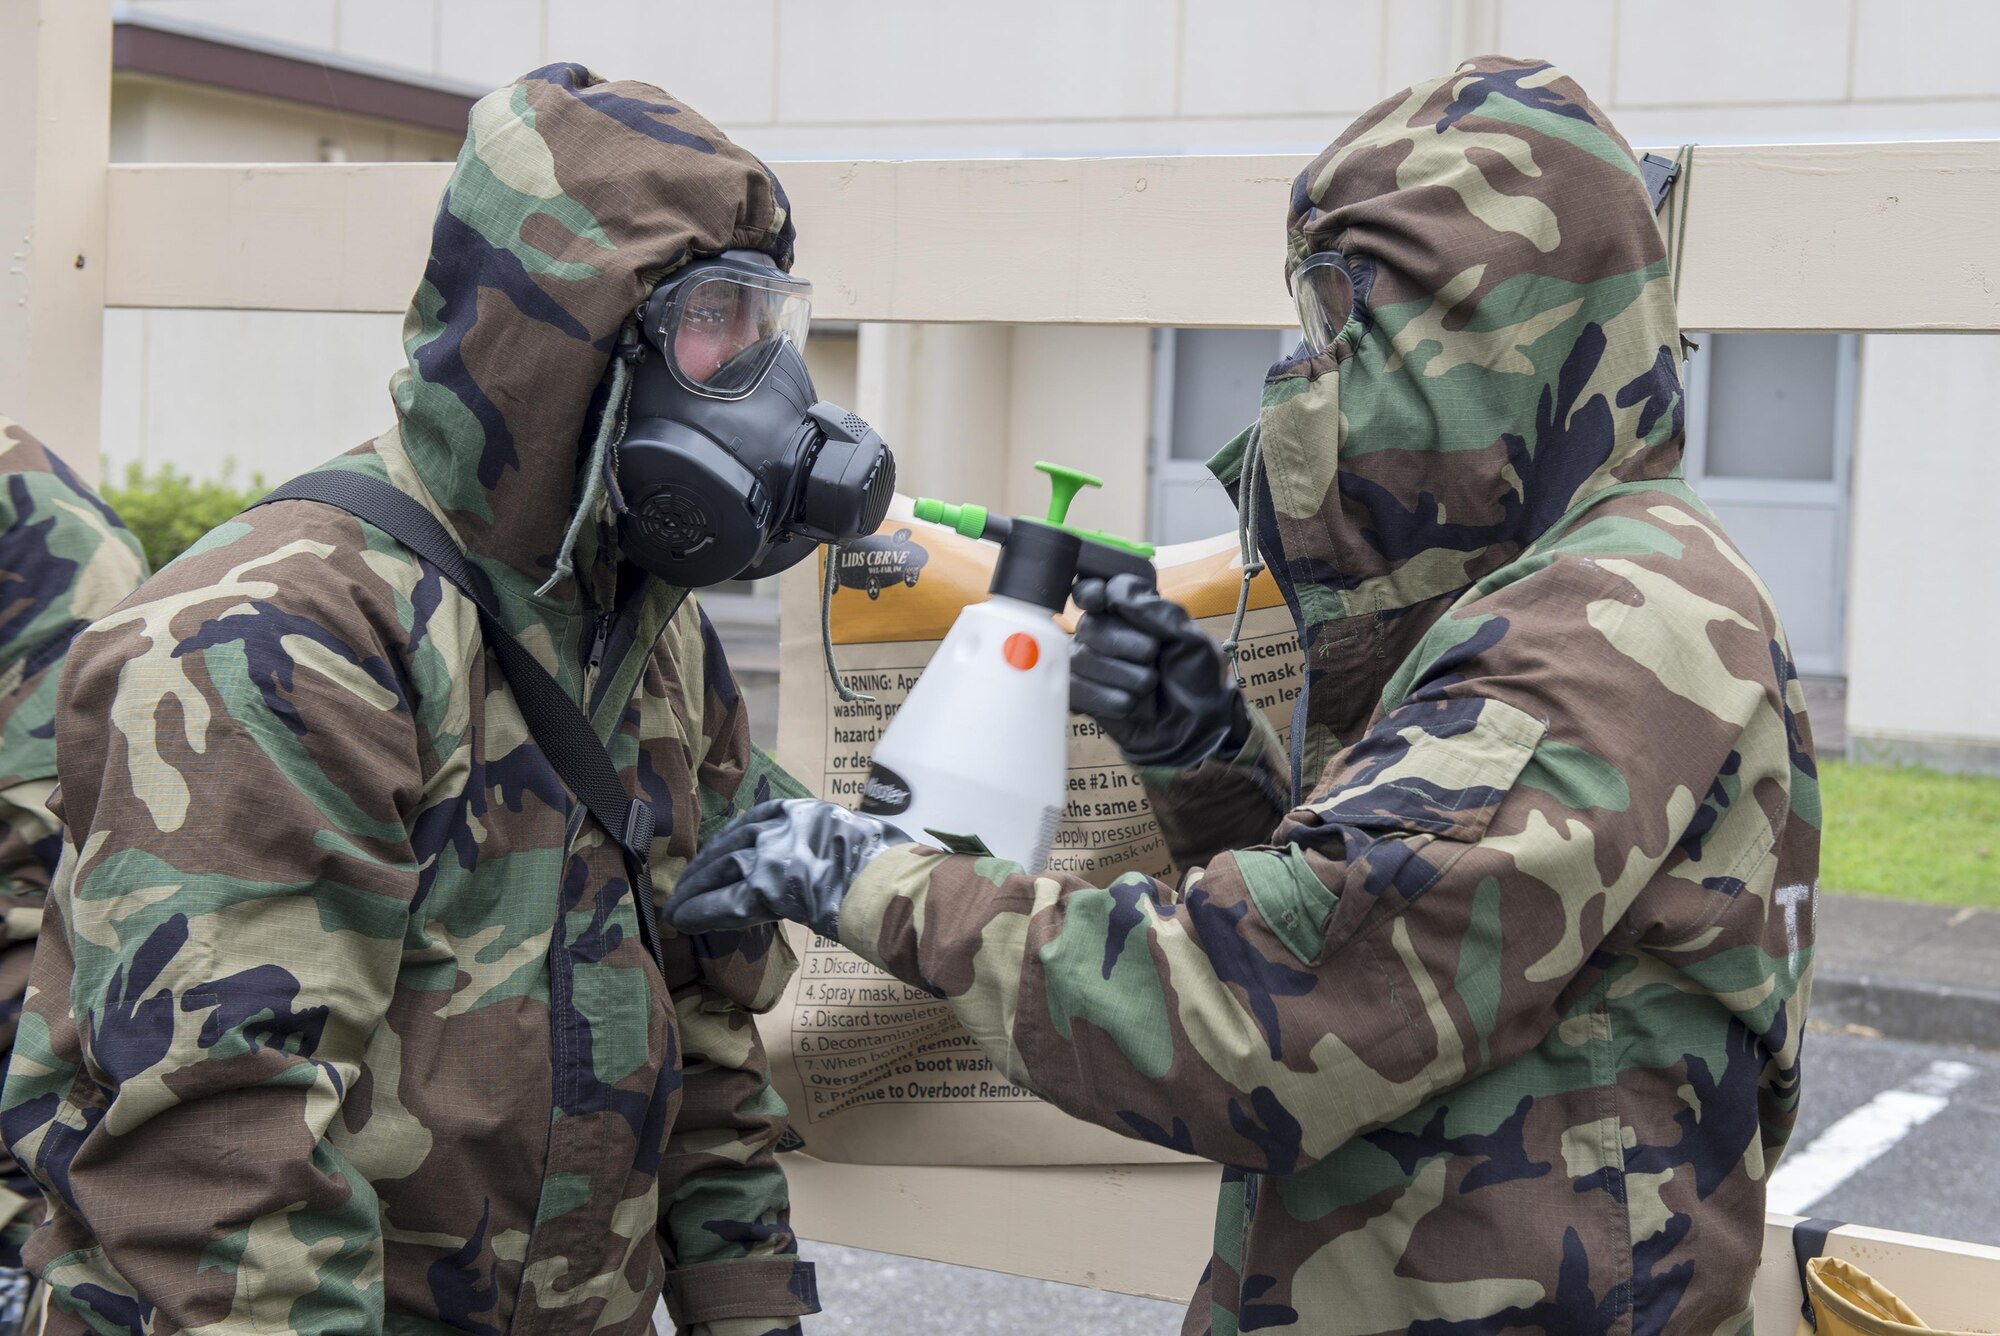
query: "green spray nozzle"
969, 521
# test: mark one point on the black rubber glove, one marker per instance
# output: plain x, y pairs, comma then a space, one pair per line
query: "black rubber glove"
792, 858
1151, 679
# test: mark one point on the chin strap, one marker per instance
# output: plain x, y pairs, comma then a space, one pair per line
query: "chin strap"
831, 582
610, 429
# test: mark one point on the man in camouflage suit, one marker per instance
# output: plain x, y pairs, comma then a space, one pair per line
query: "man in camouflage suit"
1498, 1029
343, 1022
65, 559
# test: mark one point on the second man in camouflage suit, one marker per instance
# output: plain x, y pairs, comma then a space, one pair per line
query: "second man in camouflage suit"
1497, 1027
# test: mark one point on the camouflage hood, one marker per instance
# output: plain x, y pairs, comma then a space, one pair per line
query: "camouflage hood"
1514, 352
572, 198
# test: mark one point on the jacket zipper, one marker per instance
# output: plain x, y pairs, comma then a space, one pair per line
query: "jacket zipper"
599, 640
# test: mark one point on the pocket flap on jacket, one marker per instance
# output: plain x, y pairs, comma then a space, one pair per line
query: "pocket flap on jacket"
1432, 767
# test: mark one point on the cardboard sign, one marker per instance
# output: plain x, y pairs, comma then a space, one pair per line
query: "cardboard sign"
878, 1072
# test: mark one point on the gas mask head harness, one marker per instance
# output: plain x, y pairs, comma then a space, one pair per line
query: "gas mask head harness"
731, 467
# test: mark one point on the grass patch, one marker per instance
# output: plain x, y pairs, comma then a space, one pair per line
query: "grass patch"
1910, 834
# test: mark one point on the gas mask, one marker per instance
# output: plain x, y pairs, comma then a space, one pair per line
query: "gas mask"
731, 467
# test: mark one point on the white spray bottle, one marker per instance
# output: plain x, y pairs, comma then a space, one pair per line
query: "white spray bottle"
978, 756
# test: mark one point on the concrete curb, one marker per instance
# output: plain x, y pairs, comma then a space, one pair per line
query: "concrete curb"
1906, 1009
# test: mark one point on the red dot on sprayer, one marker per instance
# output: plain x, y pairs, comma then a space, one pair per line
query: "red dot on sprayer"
1021, 651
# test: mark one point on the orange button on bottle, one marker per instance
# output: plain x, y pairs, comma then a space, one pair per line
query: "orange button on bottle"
1021, 650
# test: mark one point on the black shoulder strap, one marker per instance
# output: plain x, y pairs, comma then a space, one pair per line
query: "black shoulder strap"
558, 723
1808, 1242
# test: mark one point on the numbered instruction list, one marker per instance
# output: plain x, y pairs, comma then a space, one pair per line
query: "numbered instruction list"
861, 1037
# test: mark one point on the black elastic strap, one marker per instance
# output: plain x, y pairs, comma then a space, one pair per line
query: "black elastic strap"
558, 723
1808, 1242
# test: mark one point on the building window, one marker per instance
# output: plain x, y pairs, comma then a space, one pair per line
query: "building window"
1773, 401
1207, 386
1770, 432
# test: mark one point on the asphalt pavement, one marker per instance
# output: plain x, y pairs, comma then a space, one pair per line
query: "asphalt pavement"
1941, 1176
884, 1295
1929, 973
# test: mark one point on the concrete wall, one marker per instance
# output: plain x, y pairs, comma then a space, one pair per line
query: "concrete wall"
256, 392
969, 409
1082, 397
904, 77
1923, 635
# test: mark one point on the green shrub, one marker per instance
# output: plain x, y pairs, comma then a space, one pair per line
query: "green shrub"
168, 511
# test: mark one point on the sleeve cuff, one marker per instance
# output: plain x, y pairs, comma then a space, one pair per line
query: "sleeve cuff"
747, 1326
900, 872
770, 1288
1224, 803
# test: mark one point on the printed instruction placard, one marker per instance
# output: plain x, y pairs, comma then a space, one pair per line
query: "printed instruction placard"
876, 1071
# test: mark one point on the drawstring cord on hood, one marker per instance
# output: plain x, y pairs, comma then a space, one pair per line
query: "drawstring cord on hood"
1246, 538
826, 590
610, 428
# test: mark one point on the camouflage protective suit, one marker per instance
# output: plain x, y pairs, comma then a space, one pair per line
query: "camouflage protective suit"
1498, 1029
65, 559
343, 1021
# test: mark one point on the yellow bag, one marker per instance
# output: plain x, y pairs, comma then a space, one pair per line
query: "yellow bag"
1843, 1300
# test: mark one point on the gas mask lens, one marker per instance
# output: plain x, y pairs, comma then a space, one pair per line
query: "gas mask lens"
1324, 291
722, 330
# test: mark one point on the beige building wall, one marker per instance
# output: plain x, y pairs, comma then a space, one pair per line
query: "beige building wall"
970, 409
1925, 574
1082, 397
903, 77
244, 393
940, 395
162, 120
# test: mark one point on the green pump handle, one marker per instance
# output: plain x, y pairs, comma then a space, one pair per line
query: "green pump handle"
1064, 484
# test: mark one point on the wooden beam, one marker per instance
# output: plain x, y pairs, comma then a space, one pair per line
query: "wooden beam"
1951, 1284
1865, 237
290, 237
55, 100
1127, 1229
1787, 237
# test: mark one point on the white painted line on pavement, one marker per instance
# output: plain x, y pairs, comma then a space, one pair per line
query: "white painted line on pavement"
1863, 1136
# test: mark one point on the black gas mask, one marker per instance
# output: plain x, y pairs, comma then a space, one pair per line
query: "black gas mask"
731, 466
